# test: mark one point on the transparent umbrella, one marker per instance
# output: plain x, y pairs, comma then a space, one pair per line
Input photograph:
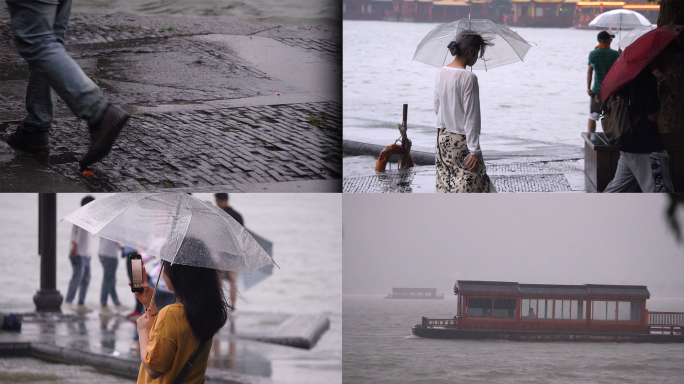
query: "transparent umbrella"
634, 34
507, 46
175, 227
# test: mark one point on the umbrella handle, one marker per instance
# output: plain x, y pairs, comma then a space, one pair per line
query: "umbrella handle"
155, 288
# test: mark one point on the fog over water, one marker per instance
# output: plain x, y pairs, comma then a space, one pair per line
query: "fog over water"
432, 241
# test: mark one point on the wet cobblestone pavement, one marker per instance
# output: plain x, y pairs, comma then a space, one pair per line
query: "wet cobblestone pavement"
544, 176
201, 114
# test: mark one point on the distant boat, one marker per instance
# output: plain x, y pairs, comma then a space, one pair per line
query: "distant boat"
414, 293
537, 312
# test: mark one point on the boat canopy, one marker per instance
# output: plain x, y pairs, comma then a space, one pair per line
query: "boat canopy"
514, 290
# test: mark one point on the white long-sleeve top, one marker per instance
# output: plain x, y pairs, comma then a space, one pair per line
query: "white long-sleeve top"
457, 105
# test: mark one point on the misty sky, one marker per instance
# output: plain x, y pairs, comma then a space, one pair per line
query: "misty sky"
434, 240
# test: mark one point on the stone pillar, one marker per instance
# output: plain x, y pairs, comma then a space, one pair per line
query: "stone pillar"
48, 298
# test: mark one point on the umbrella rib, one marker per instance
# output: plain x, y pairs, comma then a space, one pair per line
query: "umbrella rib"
184, 233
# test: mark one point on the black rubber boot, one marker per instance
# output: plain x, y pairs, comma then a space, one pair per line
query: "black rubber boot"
36, 141
103, 135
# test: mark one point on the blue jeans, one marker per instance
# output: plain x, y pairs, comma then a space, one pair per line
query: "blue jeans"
109, 265
39, 28
79, 279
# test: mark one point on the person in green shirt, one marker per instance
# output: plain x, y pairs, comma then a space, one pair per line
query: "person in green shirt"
600, 61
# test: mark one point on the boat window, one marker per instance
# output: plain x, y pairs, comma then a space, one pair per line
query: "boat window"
578, 309
545, 309
629, 311
479, 307
529, 309
562, 309
504, 308
604, 310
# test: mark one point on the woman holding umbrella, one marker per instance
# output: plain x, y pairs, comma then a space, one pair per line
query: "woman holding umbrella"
451, 47
457, 104
183, 331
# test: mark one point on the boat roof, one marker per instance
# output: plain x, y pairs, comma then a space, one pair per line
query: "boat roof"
503, 288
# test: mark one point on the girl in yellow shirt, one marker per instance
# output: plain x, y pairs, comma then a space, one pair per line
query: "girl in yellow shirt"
170, 337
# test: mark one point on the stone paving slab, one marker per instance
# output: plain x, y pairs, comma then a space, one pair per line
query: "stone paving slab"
202, 114
221, 147
103, 342
545, 176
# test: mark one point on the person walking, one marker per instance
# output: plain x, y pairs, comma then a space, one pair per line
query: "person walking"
180, 335
80, 264
600, 61
458, 159
222, 202
39, 28
644, 162
109, 257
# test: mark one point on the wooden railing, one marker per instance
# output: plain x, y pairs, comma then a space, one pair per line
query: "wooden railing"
672, 322
666, 319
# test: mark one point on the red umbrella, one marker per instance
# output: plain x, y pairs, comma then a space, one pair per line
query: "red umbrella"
636, 57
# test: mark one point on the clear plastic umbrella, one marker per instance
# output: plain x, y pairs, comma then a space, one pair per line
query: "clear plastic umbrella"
620, 19
634, 34
507, 46
175, 227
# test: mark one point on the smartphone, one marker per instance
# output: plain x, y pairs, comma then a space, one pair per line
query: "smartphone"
136, 268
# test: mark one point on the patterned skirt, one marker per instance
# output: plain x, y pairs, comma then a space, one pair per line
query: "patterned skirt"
452, 175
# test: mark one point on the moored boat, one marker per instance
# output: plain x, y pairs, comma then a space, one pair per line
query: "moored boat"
414, 293
535, 312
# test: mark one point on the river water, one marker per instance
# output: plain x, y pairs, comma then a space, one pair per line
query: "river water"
307, 12
543, 98
306, 232
379, 348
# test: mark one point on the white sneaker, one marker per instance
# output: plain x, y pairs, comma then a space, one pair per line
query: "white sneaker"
67, 306
83, 309
121, 309
106, 311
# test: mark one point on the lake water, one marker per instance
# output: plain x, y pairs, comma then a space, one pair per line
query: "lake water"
305, 229
308, 12
379, 348
543, 98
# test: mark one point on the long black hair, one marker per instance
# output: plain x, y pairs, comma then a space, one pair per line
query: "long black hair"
200, 291
465, 41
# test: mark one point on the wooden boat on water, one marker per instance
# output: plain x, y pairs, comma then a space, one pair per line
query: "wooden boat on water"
414, 293
535, 312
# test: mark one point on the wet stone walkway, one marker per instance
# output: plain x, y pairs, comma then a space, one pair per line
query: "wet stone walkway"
203, 111
546, 176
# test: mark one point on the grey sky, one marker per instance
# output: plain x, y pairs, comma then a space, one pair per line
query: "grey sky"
433, 240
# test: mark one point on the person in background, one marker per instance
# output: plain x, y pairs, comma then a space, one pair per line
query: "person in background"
644, 162
222, 202
109, 257
39, 28
600, 61
80, 264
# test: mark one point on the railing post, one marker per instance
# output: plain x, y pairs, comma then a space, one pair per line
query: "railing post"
48, 298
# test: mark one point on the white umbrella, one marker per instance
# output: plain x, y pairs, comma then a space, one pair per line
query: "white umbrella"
634, 34
620, 19
507, 46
